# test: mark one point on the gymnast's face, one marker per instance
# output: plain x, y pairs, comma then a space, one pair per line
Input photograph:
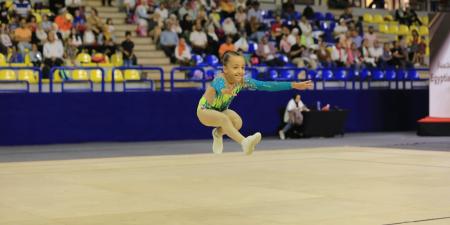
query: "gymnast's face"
234, 69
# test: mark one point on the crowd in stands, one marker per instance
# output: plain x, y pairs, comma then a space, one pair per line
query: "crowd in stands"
56, 35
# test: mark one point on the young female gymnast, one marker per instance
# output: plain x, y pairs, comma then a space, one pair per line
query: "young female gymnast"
212, 110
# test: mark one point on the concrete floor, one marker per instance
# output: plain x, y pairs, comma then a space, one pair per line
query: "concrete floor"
313, 186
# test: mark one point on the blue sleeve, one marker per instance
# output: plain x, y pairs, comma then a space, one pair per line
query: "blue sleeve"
218, 84
253, 84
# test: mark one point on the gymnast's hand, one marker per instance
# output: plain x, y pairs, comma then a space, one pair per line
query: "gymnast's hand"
302, 85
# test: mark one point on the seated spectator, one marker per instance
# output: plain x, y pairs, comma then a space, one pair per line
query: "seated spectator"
129, 5
324, 56
255, 29
183, 52
89, 39
293, 115
129, 58
339, 55
15, 56
53, 54
241, 45
47, 25
307, 32
370, 36
36, 56
367, 59
4, 36
73, 5
162, 11
227, 8
411, 17
213, 41
340, 29
227, 46
293, 36
22, 36
254, 11
79, 22
308, 12
240, 17
186, 24
354, 57
267, 53
95, 21
398, 55
168, 42
64, 24
347, 15
386, 59
22, 8
174, 24
400, 16
288, 9
41, 35
229, 28
376, 52
356, 38
276, 29
285, 46
198, 40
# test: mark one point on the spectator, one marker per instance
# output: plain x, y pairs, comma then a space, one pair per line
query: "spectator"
276, 29
22, 8
174, 24
36, 56
347, 15
129, 7
293, 115
255, 12
367, 59
183, 52
255, 29
324, 56
41, 35
307, 35
73, 5
75, 39
22, 36
47, 25
227, 46
266, 52
354, 57
3, 49
213, 41
285, 46
89, 39
15, 56
398, 56
79, 22
162, 11
340, 29
4, 35
64, 24
370, 36
293, 37
4, 14
339, 55
168, 42
240, 17
288, 10
386, 58
411, 17
229, 27
129, 58
95, 21
308, 12
56, 6
227, 8
186, 24
53, 53
198, 40
241, 45
376, 52
356, 38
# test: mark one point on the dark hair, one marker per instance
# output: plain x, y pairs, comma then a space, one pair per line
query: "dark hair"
228, 54
127, 33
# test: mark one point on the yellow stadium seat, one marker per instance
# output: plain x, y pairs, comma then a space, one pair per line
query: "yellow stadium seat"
7, 75
56, 77
96, 76
28, 75
378, 18
367, 18
132, 75
389, 17
403, 30
8, 3
117, 60
105, 65
427, 51
80, 75
393, 22
383, 28
118, 76
425, 20
83, 58
393, 29
412, 27
38, 17
2, 60
91, 64
423, 30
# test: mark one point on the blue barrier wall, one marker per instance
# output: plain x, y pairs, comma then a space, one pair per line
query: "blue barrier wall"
84, 117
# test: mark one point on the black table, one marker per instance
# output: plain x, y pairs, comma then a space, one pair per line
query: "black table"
321, 124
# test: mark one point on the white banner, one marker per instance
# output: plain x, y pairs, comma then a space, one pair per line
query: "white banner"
440, 80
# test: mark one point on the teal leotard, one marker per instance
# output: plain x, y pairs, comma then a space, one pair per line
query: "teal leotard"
222, 101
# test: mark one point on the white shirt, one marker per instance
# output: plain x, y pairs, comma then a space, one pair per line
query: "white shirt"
376, 52
241, 44
53, 49
292, 39
163, 13
198, 38
292, 106
89, 37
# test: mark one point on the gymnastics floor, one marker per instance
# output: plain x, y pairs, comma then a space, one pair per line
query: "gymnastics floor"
370, 178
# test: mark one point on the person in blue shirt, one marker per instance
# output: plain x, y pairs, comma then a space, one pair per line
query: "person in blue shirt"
213, 111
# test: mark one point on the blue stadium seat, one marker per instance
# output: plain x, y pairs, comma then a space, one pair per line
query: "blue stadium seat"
364, 74
329, 16
340, 74
312, 75
378, 74
273, 74
327, 74
318, 16
297, 15
198, 59
210, 74
401, 74
413, 75
283, 58
212, 60
390, 75
252, 46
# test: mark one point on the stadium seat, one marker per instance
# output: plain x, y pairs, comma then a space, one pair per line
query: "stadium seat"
198, 59
117, 60
28, 75
427, 51
212, 60
297, 15
390, 75
383, 28
413, 75
7, 75
389, 17
340, 74
368, 18
318, 16
80, 75
329, 16
423, 30
2, 60
364, 74
327, 74
401, 74
132, 75
83, 58
393, 29
96, 76
403, 30
378, 18
378, 74
118, 76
